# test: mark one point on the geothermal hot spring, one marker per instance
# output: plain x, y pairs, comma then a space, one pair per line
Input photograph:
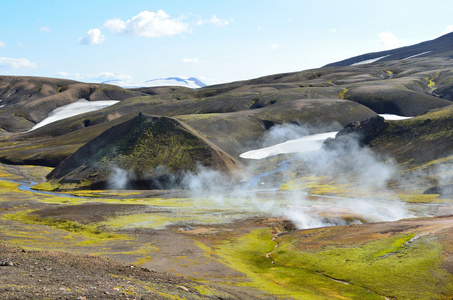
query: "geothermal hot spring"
278, 188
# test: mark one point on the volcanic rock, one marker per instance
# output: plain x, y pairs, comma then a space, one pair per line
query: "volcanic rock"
145, 152
363, 132
442, 190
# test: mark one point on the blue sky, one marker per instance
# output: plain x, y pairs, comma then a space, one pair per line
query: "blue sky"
216, 41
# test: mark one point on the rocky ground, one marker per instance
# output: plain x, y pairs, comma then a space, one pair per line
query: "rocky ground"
27, 274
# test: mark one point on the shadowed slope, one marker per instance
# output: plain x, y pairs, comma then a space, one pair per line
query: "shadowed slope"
419, 140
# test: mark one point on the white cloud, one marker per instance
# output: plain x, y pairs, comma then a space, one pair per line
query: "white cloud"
214, 20
17, 63
188, 60
95, 77
334, 30
45, 29
2, 44
389, 40
275, 46
148, 24
94, 37
447, 30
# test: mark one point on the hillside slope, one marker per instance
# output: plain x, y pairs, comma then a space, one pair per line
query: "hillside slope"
153, 152
28, 100
440, 46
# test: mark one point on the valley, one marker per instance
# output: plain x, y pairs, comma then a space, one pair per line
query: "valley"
330, 183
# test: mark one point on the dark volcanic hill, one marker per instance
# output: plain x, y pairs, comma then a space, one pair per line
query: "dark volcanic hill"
152, 151
440, 47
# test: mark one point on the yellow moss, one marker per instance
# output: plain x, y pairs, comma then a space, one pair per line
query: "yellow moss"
421, 198
343, 93
46, 186
66, 225
317, 185
8, 185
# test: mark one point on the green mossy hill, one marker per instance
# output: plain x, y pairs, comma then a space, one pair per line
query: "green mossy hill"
152, 150
419, 140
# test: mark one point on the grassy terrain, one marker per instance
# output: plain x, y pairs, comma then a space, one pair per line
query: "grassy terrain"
313, 264
248, 255
90, 231
390, 266
396, 267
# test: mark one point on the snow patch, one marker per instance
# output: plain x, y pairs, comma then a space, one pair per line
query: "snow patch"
412, 56
74, 109
369, 61
391, 117
306, 144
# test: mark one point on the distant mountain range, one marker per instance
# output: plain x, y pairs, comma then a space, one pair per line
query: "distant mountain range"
191, 82
441, 46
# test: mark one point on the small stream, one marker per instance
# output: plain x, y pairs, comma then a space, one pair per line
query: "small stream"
253, 182
27, 187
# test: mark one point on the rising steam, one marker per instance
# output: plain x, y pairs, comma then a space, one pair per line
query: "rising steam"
119, 179
349, 165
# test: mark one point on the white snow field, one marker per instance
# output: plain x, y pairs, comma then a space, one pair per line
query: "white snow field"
74, 109
412, 56
390, 117
369, 61
305, 144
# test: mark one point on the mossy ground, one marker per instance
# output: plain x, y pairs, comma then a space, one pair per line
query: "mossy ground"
391, 266
387, 266
395, 267
248, 255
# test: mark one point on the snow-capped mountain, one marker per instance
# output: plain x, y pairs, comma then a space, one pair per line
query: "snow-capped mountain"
191, 82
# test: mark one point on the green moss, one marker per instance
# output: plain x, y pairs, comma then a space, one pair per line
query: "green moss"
247, 254
66, 225
395, 246
388, 267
